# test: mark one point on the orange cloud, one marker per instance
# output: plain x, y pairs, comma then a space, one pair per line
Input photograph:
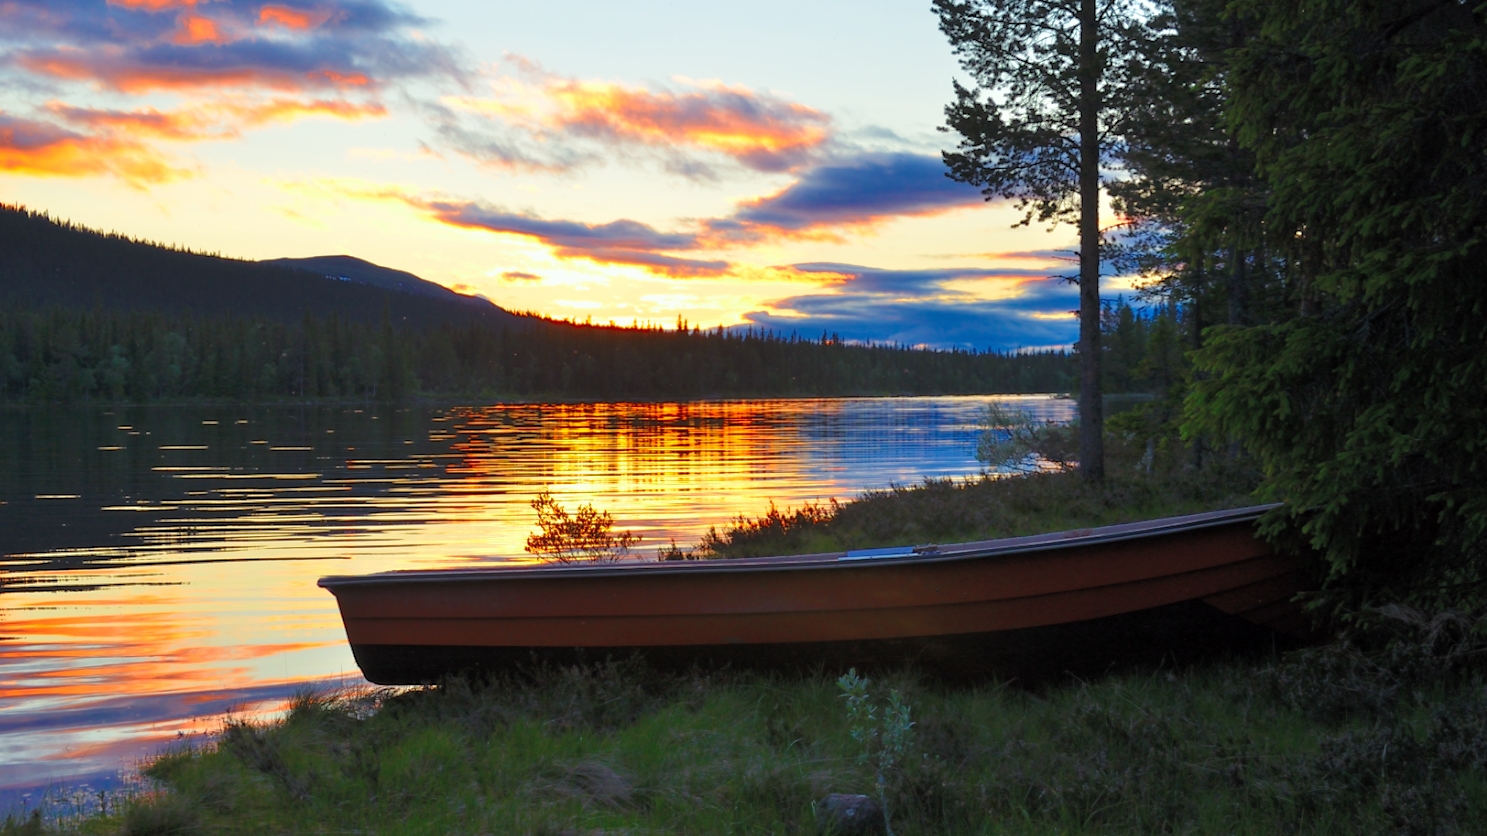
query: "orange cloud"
195, 29
732, 121
761, 131
41, 149
215, 120
291, 18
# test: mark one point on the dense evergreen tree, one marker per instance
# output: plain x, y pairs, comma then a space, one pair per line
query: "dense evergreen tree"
1143, 349
1362, 387
1193, 204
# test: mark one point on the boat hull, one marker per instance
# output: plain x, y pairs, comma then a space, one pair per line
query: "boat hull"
1082, 600
1176, 633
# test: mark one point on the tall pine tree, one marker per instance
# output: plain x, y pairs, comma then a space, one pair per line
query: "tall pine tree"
1045, 114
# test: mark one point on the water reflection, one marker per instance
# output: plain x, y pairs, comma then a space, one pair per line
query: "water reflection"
158, 565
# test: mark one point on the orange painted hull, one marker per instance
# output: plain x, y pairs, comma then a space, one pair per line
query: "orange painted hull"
969, 606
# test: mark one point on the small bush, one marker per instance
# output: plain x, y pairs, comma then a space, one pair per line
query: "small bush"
783, 531
262, 749
586, 535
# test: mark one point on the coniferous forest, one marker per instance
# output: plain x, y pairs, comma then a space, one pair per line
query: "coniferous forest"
62, 355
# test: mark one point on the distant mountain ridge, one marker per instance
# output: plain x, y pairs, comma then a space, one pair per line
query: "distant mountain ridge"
351, 268
46, 263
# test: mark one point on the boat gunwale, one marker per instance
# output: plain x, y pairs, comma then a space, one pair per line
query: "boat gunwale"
948, 553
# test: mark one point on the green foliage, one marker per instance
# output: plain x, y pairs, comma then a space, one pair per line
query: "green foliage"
1144, 349
1363, 399
885, 734
1020, 126
23, 825
166, 814
1194, 204
585, 535
1384, 660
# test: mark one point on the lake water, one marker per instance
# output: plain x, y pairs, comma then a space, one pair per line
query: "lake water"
158, 564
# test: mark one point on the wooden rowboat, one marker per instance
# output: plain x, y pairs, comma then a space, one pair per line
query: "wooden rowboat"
1176, 588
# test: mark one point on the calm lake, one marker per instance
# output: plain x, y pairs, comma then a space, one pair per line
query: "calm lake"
158, 564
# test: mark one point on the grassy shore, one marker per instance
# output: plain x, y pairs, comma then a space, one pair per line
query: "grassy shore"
1141, 484
1381, 731
1336, 740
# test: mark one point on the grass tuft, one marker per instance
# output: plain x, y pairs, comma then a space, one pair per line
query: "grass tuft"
161, 814
22, 825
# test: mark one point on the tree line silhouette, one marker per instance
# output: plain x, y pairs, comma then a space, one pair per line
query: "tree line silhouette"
68, 355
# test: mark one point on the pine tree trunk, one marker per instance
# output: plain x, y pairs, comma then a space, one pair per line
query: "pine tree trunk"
1091, 405
1238, 285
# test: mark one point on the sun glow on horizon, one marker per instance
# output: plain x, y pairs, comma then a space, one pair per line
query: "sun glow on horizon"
479, 154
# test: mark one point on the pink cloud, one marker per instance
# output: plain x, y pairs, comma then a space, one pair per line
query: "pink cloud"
758, 130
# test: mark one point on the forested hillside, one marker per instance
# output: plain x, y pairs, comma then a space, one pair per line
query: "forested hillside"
46, 263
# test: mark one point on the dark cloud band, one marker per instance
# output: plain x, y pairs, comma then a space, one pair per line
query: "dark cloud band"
342, 44
917, 307
861, 189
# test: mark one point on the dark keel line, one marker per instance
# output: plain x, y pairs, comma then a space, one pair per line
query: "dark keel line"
1177, 634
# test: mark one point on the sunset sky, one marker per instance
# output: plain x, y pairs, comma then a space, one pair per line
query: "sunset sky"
774, 163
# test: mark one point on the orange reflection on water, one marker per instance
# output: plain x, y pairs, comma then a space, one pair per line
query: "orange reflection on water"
176, 580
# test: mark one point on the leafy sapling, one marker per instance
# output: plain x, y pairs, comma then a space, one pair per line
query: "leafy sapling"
885, 733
